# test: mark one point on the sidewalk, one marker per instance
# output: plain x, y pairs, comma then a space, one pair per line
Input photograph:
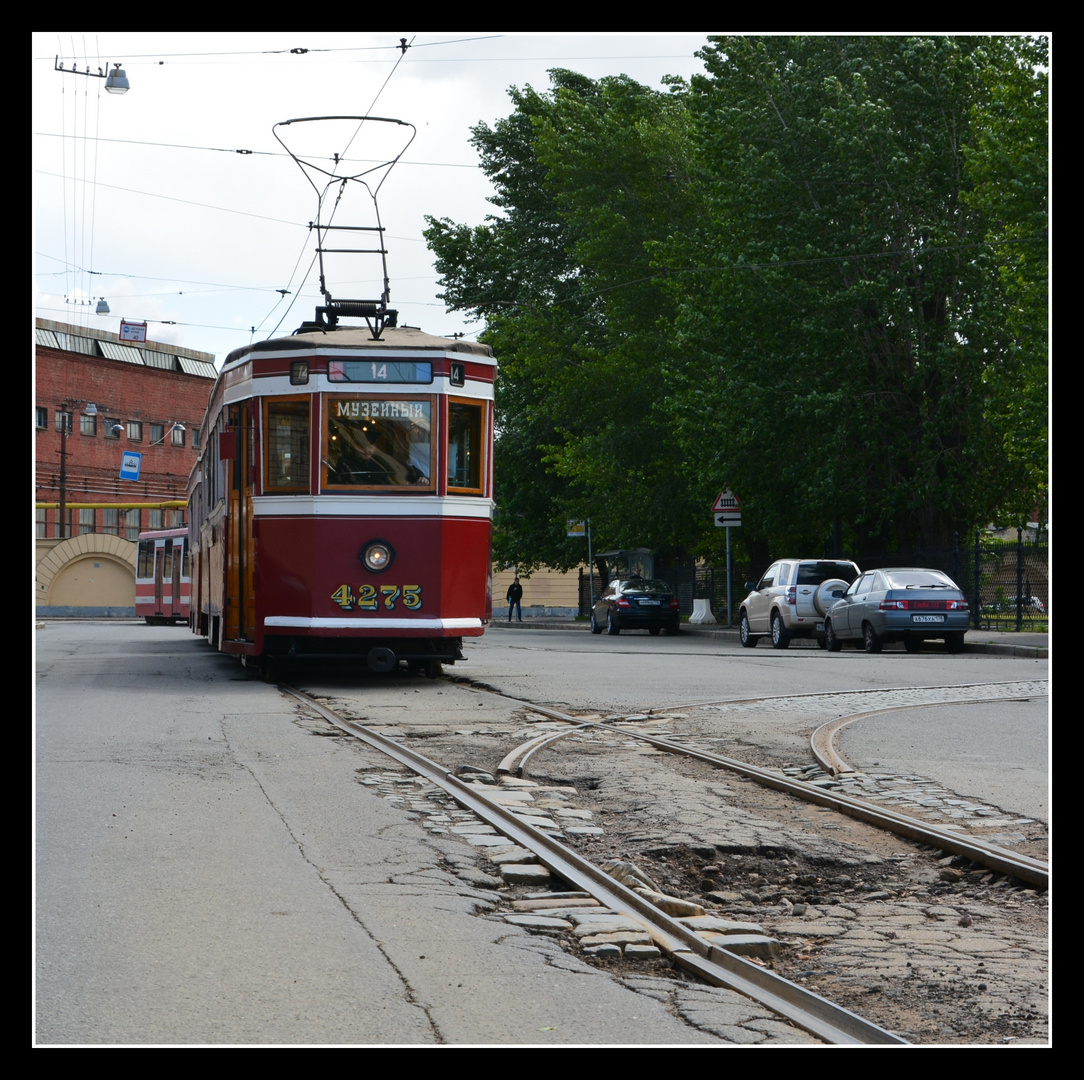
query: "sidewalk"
993, 642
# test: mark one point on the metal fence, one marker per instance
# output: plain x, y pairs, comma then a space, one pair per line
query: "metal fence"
1007, 582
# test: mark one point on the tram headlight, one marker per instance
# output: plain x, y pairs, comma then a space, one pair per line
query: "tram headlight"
377, 556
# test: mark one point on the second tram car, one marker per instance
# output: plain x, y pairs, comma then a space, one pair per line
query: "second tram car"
343, 498
163, 585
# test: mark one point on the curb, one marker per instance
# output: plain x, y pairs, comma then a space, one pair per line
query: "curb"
989, 648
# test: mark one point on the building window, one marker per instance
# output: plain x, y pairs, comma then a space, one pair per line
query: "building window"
39, 522
88, 425
86, 521
158, 433
41, 418
178, 435
132, 528
111, 522
155, 521
113, 428
135, 431
63, 421
195, 438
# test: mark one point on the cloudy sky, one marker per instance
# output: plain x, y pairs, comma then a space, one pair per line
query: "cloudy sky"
176, 203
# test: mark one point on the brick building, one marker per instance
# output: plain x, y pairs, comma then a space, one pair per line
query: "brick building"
112, 397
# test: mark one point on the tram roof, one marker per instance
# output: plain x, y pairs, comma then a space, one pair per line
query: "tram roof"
358, 337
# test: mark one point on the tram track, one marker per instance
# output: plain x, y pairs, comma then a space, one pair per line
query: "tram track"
689, 950
686, 948
1023, 868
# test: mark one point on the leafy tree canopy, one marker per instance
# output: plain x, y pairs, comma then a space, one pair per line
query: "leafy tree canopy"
817, 275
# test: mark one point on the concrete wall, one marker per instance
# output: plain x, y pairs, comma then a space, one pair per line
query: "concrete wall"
92, 575
545, 592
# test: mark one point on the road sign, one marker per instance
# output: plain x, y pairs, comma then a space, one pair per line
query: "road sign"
129, 465
727, 510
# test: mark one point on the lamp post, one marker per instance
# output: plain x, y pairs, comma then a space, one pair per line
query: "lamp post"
65, 427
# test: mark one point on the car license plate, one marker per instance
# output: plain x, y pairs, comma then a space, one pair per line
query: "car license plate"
655, 602
927, 618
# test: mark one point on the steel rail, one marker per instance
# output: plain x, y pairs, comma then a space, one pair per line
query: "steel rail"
822, 741
802, 1007
1022, 867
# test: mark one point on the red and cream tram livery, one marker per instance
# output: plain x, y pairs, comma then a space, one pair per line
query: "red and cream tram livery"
343, 498
163, 586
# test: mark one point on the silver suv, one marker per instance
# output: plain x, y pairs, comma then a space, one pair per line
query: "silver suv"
791, 600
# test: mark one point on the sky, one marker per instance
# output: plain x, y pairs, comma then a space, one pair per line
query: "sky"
176, 204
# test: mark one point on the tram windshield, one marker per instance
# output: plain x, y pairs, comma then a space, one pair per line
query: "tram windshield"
379, 442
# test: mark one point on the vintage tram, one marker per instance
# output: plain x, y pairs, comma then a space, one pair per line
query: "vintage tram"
163, 583
342, 501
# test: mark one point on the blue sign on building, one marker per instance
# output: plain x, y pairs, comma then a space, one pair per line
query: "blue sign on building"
129, 465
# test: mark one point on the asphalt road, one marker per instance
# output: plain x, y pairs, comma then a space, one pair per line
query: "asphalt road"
208, 872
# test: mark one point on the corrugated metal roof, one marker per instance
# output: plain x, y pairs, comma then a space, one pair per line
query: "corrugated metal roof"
76, 343
129, 354
197, 367
153, 358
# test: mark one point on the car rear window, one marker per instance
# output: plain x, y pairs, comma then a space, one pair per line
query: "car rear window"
917, 579
648, 586
816, 573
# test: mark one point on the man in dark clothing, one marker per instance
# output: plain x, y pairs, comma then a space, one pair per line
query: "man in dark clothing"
515, 595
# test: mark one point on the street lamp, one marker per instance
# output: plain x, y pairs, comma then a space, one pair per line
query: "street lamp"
116, 81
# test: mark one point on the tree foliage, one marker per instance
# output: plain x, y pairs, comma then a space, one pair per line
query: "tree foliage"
816, 275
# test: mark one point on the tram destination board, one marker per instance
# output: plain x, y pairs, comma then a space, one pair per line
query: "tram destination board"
380, 371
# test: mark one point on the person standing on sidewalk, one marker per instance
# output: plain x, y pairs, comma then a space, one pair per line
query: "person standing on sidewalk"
515, 595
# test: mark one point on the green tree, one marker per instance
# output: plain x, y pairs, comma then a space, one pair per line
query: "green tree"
1008, 169
828, 297
586, 175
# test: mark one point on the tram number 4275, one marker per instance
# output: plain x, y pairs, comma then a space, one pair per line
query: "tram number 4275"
369, 598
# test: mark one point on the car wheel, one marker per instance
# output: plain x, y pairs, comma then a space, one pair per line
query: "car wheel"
912, 644
611, 627
870, 638
832, 643
748, 640
595, 628
780, 637
954, 642
654, 630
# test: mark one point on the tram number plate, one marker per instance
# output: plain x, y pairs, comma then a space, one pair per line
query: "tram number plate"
372, 598
927, 618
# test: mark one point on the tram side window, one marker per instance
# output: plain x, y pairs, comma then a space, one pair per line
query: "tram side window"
287, 465
465, 456
146, 559
379, 442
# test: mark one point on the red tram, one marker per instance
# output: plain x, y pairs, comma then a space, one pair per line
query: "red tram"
163, 584
342, 501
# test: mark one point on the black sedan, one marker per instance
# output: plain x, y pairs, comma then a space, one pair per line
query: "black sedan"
636, 604
907, 604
